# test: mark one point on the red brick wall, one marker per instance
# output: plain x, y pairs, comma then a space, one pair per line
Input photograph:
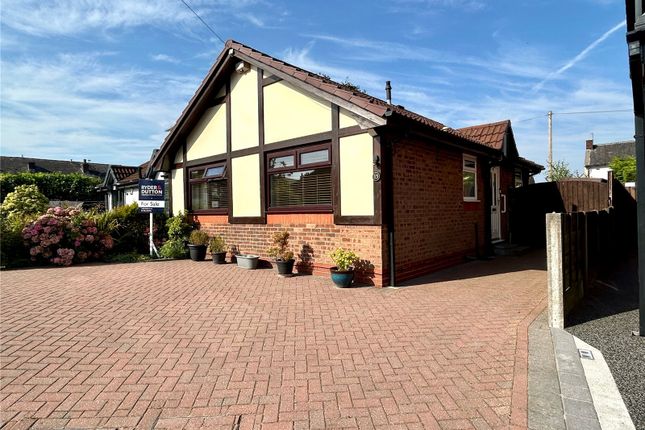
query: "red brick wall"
313, 238
434, 227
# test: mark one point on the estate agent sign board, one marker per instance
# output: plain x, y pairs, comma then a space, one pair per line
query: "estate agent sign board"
151, 196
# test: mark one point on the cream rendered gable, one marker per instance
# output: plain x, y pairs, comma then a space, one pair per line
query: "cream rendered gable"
177, 190
244, 110
347, 119
209, 135
245, 177
290, 113
356, 180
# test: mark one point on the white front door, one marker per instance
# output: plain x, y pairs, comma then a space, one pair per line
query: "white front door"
495, 219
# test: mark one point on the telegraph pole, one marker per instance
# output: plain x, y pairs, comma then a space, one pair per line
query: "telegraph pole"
550, 158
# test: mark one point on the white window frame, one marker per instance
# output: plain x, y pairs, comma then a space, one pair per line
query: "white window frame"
466, 169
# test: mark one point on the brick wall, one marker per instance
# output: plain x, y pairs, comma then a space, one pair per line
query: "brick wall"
313, 238
434, 227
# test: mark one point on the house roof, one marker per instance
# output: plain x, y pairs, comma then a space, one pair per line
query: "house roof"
28, 164
601, 155
373, 108
491, 135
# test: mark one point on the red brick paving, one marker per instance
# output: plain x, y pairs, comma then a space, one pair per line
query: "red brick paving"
193, 345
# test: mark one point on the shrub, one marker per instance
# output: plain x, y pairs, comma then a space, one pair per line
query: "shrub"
56, 186
13, 252
64, 236
25, 200
344, 259
130, 228
173, 248
281, 243
216, 245
198, 237
178, 226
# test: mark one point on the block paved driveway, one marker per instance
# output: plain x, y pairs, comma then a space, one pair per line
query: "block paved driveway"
182, 344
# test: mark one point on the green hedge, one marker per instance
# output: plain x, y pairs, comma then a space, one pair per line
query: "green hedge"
56, 186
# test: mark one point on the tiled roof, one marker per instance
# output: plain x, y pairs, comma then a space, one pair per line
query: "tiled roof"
27, 164
122, 172
134, 177
491, 135
601, 155
370, 103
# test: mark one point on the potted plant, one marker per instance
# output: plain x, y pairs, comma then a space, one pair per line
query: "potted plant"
217, 248
197, 243
343, 273
283, 257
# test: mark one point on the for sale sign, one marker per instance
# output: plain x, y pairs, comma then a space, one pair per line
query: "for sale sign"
151, 196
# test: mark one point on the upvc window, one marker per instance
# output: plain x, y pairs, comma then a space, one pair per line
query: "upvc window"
300, 179
208, 188
470, 178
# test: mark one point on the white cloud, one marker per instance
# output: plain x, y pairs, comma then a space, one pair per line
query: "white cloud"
75, 105
165, 58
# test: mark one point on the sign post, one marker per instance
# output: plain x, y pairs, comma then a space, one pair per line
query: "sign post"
151, 200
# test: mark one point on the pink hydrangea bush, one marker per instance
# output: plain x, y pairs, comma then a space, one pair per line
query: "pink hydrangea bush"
64, 236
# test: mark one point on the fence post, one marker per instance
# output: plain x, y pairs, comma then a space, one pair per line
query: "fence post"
554, 269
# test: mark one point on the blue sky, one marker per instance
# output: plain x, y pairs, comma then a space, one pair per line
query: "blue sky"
105, 79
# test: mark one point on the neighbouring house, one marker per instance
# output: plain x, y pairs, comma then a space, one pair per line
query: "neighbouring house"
121, 185
264, 146
35, 165
598, 157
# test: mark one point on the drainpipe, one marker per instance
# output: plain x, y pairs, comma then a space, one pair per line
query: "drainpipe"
389, 204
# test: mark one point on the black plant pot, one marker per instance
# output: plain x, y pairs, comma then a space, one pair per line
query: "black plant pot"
197, 252
219, 257
285, 267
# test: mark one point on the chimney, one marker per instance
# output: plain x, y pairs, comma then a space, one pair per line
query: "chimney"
388, 92
589, 144
85, 167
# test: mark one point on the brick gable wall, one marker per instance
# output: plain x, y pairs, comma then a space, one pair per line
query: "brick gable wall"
434, 227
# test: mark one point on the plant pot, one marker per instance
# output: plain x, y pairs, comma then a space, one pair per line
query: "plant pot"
197, 252
342, 278
247, 261
219, 257
285, 267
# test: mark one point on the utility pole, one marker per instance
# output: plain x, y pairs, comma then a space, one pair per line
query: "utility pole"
550, 158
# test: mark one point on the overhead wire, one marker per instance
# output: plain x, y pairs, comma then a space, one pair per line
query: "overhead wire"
203, 22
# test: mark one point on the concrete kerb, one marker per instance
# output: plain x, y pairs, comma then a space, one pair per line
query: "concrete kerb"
567, 392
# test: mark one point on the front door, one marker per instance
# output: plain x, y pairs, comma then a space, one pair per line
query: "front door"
495, 219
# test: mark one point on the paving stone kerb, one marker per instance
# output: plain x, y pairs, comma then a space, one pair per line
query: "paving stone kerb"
182, 344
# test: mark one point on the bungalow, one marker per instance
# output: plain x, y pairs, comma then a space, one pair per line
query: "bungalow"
264, 146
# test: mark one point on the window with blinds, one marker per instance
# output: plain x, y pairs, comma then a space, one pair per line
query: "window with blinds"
300, 179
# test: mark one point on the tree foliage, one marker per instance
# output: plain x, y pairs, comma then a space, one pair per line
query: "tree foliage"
24, 200
560, 170
624, 168
56, 186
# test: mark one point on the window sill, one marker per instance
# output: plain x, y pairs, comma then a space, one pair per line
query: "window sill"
471, 200
209, 212
300, 210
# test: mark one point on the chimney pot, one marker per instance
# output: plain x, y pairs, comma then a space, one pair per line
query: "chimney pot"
589, 144
388, 92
